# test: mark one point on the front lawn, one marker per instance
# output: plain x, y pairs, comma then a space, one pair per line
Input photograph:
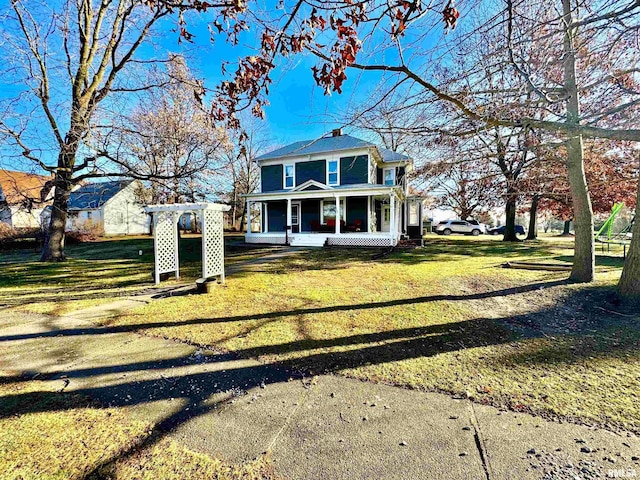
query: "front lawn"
94, 273
443, 318
446, 318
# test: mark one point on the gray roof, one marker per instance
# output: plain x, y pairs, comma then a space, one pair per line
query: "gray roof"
330, 144
94, 195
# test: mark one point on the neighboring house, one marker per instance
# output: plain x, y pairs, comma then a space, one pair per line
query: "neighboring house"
112, 205
302, 183
21, 203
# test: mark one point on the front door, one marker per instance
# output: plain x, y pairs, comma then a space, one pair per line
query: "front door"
386, 218
295, 218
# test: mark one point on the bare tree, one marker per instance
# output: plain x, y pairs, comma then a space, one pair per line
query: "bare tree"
575, 71
466, 187
71, 63
242, 169
170, 139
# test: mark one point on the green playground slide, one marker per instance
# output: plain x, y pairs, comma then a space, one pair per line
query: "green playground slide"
608, 225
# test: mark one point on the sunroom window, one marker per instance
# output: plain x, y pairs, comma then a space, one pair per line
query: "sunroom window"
389, 176
414, 213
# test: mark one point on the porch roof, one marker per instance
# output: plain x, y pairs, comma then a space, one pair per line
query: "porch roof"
341, 190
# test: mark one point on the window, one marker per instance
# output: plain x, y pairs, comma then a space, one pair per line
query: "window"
389, 176
332, 172
328, 211
414, 213
119, 220
89, 215
289, 176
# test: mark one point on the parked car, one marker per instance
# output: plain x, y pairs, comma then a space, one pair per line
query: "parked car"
500, 230
483, 227
458, 226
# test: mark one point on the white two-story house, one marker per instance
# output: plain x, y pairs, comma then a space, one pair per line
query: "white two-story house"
335, 190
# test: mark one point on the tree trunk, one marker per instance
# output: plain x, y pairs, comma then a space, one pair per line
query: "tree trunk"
510, 213
566, 230
243, 219
584, 256
532, 234
466, 213
629, 285
54, 243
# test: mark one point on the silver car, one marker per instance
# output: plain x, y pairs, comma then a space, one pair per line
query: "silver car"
458, 226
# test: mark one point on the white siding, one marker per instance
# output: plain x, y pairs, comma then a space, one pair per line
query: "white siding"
21, 218
80, 217
124, 215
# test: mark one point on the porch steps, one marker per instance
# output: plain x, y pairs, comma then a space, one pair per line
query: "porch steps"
313, 240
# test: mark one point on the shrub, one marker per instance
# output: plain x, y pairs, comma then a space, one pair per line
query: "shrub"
7, 232
86, 232
16, 238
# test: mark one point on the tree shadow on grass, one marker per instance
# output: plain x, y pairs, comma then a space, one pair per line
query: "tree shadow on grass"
217, 377
281, 314
194, 391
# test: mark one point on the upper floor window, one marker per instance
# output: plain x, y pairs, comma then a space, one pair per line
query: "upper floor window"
389, 176
332, 172
289, 176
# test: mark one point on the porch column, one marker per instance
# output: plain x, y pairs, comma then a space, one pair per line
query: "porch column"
247, 217
176, 219
265, 211
288, 215
338, 215
392, 215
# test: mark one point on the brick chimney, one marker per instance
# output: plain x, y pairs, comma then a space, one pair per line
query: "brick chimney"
336, 132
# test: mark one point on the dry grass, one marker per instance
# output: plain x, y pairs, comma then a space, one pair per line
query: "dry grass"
95, 273
62, 436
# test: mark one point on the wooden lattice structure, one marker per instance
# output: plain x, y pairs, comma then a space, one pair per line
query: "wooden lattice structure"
165, 237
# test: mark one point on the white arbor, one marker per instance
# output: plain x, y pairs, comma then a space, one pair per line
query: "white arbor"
165, 237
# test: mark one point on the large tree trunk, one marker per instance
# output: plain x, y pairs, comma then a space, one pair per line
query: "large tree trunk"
584, 257
629, 285
566, 228
54, 244
510, 213
532, 234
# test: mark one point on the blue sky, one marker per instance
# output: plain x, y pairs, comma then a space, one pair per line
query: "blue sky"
298, 108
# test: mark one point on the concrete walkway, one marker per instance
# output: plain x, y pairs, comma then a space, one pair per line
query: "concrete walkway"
324, 427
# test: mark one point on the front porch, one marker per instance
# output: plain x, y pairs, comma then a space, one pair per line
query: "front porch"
356, 216
307, 239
